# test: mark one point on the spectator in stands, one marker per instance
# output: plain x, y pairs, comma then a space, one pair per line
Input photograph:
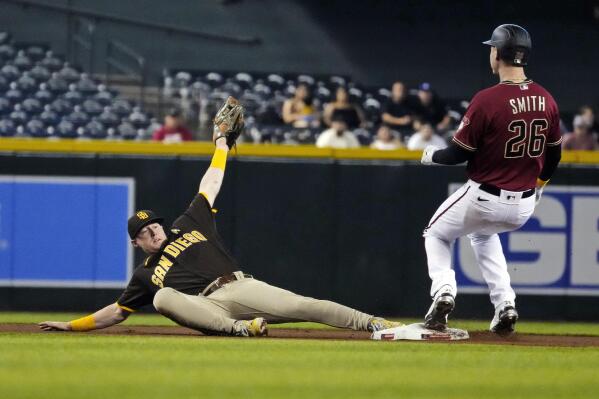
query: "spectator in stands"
299, 111
588, 115
399, 110
431, 109
386, 140
581, 138
425, 136
337, 136
341, 108
173, 130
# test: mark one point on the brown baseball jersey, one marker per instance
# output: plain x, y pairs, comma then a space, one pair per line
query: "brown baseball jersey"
192, 256
508, 126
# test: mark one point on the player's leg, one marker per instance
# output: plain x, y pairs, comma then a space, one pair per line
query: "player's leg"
491, 260
446, 225
201, 313
251, 298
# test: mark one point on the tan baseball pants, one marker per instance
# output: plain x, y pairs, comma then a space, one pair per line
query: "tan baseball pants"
248, 298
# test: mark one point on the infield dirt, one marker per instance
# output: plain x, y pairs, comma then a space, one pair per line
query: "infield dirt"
476, 337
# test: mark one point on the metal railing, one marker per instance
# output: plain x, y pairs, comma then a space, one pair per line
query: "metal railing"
119, 58
82, 39
115, 18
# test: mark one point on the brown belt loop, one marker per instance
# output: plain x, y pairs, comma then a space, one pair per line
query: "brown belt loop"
224, 280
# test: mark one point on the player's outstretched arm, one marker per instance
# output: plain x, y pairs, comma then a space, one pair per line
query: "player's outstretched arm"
105, 317
228, 124
452, 155
213, 178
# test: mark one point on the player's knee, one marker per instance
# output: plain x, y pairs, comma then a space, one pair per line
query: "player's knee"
163, 298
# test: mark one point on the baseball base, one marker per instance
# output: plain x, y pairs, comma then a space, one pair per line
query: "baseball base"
417, 332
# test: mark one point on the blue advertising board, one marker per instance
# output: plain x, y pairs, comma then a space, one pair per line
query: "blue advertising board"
65, 231
555, 253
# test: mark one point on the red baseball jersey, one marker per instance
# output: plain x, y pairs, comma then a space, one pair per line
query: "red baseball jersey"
508, 126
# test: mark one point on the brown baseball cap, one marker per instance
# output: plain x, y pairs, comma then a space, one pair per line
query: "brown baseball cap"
140, 220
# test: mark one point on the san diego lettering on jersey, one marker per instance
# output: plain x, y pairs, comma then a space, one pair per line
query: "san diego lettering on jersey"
174, 249
527, 104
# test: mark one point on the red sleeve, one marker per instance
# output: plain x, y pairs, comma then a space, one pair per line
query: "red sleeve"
554, 136
472, 126
158, 135
186, 134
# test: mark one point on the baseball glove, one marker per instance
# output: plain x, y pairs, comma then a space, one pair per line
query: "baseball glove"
228, 121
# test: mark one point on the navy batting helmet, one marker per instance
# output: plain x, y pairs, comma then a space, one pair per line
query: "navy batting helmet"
513, 44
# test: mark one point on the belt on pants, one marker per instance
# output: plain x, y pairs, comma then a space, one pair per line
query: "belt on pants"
224, 280
487, 188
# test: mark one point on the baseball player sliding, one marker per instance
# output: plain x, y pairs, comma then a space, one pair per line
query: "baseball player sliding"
191, 278
510, 138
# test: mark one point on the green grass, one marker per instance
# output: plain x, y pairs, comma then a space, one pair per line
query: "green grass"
554, 328
95, 366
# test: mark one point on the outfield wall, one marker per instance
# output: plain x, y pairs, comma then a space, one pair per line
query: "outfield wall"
340, 225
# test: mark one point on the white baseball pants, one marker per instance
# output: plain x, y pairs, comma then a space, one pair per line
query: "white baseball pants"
481, 216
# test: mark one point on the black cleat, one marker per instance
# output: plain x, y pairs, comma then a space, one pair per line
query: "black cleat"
436, 318
505, 319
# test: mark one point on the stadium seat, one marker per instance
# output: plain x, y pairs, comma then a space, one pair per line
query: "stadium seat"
61, 106
214, 79
73, 96
35, 53
243, 79
13, 94
7, 128
121, 107
78, 118
40, 73
49, 117
3, 84
51, 62
22, 61
66, 129
103, 96
138, 119
31, 106
7, 52
35, 128
18, 116
127, 131
92, 107
10, 71
68, 73
5, 37
26, 83
306, 79
57, 85
5, 106
86, 85
109, 118
44, 95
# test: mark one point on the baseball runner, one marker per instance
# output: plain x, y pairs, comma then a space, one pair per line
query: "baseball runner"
191, 278
510, 138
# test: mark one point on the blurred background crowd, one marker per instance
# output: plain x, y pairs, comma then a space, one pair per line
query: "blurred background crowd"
47, 94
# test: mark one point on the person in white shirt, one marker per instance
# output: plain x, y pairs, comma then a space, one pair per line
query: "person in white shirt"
424, 137
385, 139
337, 137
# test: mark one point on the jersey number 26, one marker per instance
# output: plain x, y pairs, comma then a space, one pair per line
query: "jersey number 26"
529, 139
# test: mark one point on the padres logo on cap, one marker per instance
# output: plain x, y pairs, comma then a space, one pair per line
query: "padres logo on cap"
142, 215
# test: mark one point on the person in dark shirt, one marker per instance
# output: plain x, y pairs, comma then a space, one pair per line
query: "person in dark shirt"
342, 109
399, 111
431, 109
191, 278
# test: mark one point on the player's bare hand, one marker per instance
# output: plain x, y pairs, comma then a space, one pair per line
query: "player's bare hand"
55, 326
